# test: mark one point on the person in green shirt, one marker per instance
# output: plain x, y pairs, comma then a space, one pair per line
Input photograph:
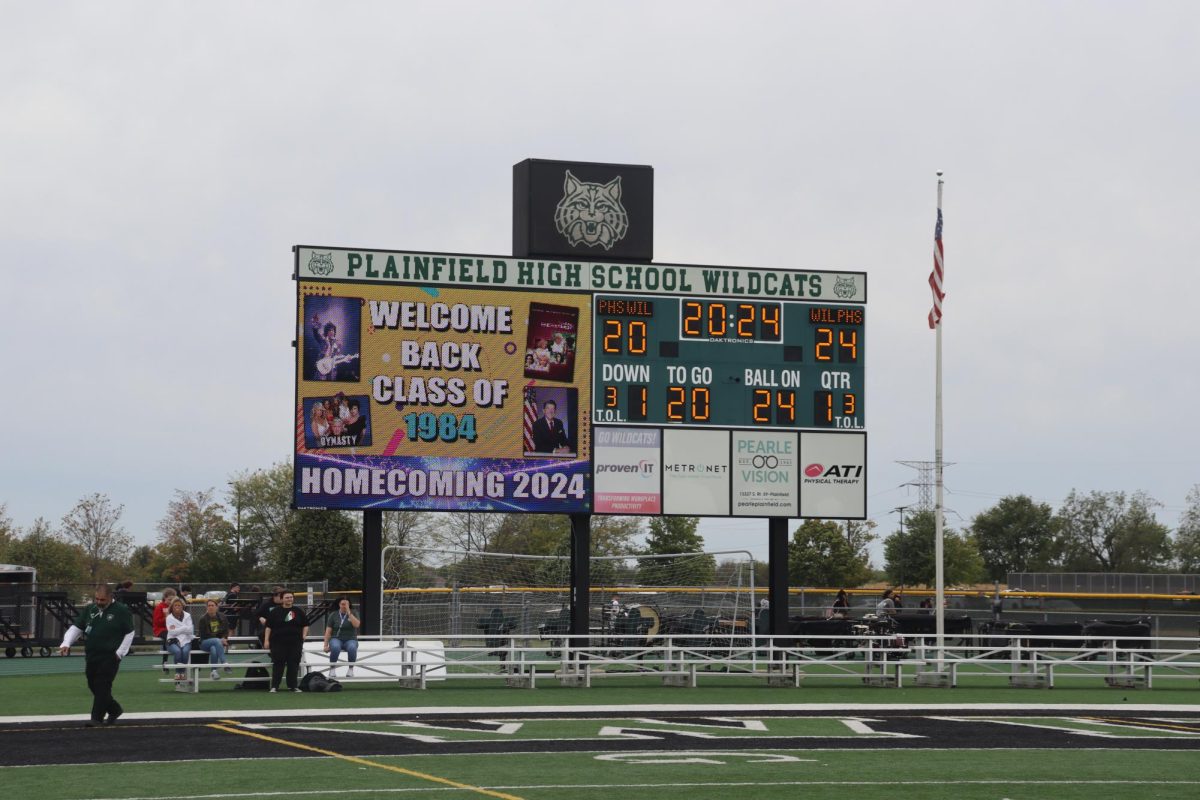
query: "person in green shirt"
108, 627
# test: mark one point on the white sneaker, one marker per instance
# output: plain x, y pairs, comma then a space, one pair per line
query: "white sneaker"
272, 690
216, 676
350, 672
296, 689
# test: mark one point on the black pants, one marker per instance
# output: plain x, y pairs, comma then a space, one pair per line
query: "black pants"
101, 671
285, 655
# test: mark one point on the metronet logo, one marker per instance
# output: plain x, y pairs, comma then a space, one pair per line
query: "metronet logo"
643, 467
702, 470
835, 473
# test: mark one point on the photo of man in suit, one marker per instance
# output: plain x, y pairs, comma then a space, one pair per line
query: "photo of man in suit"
549, 435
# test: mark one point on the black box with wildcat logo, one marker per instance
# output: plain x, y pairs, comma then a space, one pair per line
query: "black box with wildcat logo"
583, 211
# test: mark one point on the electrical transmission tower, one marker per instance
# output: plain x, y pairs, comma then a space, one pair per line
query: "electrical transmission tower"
924, 483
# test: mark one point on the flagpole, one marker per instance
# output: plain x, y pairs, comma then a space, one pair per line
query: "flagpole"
939, 554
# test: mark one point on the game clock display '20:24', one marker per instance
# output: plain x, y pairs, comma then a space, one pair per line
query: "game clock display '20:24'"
725, 362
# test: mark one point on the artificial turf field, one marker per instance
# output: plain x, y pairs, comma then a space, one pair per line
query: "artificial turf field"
629, 741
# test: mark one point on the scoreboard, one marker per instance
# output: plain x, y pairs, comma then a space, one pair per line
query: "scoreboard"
437, 381
727, 363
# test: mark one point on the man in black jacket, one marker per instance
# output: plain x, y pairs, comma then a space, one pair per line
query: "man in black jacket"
264, 610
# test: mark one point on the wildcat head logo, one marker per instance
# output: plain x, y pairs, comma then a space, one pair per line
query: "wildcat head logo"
591, 213
320, 263
844, 287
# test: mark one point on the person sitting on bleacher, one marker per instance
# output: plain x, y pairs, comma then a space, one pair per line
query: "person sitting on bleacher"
341, 633
214, 637
180, 634
159, 620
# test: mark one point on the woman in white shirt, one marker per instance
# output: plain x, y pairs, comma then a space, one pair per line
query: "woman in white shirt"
180, 634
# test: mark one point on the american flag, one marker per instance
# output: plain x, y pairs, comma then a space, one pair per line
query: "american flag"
530, 417
937, 277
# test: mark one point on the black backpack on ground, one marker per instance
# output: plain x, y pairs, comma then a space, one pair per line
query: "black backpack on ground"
256, 672
317, 682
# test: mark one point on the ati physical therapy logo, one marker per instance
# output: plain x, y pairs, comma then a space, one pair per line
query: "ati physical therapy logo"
591, 213
834, 473
320, 263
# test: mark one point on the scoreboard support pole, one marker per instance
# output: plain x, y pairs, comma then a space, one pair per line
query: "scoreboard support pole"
777, 575
581, 578
372, 571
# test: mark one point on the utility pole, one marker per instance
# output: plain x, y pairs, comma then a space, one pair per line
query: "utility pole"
237, 527
904, 547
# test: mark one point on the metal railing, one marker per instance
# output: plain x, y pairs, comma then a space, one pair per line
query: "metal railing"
1020, 660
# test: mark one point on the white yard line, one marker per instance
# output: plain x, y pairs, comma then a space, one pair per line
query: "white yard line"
697, 784
709, 708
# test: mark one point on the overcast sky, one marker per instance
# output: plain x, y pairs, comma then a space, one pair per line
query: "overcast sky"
159, 160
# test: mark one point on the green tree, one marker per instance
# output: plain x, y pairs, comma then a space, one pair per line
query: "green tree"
1187, 535
260, 503
669, 535
466, 530
1015, 535
407, 528
57, 562
8, 533
146, 565
1112, 532
910, 554
321, 545
530, 534
195, 539
94, 525
822, 553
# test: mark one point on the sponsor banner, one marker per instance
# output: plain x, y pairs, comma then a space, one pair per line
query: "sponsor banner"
696, 473
443, 484
493, 382
765, 474
627, 466
566, 275
833, 479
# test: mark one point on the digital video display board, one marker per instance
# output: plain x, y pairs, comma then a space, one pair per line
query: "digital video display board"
494, 383
462, 399
728, 363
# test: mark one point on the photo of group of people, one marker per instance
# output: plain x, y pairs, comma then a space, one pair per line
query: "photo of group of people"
546, 354
331, 339
337, 421
550, 345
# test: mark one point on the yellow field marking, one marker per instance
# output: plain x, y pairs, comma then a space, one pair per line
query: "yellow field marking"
1139, 724
365, 762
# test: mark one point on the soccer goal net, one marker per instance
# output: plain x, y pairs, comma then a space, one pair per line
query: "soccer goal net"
460, 595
